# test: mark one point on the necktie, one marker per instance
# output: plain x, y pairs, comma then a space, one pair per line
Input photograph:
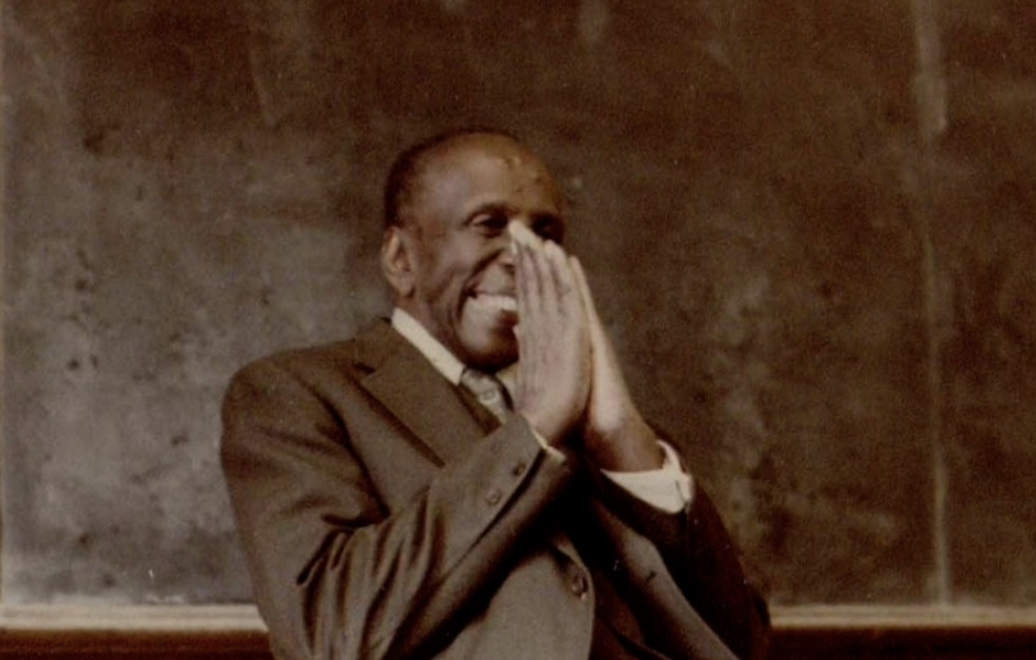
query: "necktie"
489, 391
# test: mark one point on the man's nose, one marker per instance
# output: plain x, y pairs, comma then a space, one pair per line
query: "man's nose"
506, 256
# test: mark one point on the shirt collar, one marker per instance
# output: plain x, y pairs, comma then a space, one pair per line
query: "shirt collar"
441, 358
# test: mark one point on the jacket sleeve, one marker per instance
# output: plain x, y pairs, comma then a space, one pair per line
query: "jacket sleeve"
703, 560
337, 575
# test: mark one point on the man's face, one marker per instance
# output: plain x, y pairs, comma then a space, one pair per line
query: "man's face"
464, 290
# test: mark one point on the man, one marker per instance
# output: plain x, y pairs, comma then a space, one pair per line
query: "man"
395, 501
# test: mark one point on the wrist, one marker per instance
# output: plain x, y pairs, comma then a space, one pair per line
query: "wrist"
630, 447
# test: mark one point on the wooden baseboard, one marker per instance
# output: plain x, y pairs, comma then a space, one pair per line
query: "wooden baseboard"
158, 632
904, 632
187, 632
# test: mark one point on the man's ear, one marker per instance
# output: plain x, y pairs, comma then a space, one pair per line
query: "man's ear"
397, 263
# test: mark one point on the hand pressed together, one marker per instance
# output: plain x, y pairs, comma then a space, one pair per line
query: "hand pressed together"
553, 341
568, 371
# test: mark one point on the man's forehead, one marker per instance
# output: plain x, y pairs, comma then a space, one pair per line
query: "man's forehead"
471, 163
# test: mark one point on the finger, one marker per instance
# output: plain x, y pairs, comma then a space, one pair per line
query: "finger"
571, 296
568, 273
560, 271
521, 287
602, 349
541, 298
528, 286
584, 291
548, 296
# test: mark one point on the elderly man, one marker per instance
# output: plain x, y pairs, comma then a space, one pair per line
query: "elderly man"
471, 478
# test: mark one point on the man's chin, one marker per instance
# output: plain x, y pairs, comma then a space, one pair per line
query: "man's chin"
493, 353
487, 337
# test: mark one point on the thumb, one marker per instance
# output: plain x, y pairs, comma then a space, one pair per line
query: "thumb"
584, 293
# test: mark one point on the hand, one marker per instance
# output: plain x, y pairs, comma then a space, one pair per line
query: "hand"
553, 341
615, 435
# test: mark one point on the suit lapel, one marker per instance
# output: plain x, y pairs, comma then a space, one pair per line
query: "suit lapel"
406, 383
446, 420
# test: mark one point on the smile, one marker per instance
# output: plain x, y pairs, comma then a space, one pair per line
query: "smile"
495, 302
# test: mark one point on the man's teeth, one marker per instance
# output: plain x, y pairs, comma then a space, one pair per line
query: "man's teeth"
498, 302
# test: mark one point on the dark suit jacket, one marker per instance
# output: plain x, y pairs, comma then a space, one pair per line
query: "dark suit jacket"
385, 514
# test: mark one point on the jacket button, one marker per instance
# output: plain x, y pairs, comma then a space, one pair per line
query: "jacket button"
519, 469
493, 498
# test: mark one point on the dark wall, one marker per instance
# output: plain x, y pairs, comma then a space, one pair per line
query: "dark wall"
810, 225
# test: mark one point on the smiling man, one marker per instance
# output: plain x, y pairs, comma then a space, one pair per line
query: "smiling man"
471, 478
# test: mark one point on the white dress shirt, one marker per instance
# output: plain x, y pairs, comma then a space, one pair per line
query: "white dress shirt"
668, 488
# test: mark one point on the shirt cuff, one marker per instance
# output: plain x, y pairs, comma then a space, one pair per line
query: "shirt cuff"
668, 488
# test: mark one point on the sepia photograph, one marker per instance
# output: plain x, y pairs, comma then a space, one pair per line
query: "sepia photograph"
583, 329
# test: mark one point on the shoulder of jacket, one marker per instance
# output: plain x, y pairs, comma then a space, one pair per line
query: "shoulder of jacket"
355, 357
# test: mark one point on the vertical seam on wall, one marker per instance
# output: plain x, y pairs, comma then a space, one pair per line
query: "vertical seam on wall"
3, 269
930, 98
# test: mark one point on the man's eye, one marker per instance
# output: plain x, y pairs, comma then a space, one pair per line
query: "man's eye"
491, 223
549, 231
